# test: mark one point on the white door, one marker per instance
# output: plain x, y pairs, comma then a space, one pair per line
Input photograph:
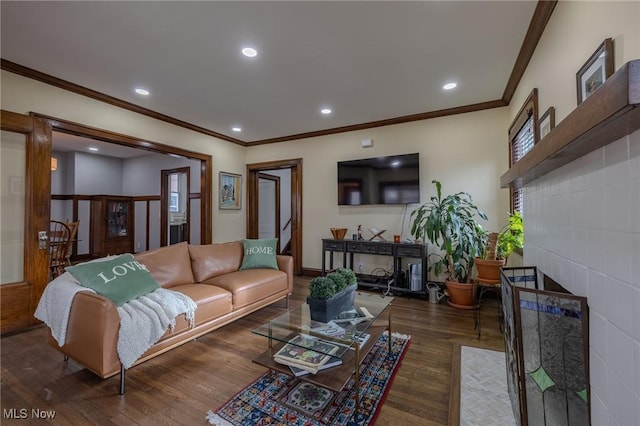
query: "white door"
267, 209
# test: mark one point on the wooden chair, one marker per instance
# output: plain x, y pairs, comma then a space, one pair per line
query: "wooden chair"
73, 229
59, 236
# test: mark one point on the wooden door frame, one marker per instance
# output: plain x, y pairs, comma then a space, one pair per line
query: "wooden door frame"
275, 179
253, 170
19, 300
206, 162
164, 198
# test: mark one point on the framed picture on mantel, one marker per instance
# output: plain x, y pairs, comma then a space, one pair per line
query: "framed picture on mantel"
547, 122
595, 71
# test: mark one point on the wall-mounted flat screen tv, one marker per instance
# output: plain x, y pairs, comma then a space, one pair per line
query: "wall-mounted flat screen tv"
382, 180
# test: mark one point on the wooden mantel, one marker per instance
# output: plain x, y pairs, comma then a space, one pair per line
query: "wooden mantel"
611, 112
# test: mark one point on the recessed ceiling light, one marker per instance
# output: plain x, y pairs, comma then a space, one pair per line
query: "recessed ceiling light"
249, 52
450, 86
326, 111
236, 129
141, 91
93, 148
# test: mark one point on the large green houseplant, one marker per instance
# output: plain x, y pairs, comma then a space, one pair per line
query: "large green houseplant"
498, 248
450, 224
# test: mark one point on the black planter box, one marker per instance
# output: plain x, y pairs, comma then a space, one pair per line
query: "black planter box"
326, 310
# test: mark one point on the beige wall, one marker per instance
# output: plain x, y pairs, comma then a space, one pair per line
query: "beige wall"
23, 95
466, 152
574, 32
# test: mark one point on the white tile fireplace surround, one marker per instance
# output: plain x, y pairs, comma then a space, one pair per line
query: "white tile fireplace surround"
582, 228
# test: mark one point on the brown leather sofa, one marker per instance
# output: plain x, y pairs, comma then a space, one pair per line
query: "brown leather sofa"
208, 274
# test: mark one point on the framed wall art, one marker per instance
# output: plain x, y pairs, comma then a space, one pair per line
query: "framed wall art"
595, 71
230, 191
547, 122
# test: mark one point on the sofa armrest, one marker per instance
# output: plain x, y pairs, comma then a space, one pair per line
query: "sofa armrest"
285, 264
92, 333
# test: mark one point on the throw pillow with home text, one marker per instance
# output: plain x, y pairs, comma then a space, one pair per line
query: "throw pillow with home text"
258, 254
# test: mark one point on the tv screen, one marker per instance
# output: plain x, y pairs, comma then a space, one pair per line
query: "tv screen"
382, 180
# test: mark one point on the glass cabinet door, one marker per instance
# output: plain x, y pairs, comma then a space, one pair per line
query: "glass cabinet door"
117, 218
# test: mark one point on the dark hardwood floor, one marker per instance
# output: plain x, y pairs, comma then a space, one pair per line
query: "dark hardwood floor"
180, 386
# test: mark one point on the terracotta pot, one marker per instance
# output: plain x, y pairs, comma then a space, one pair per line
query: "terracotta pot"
461, 295
488, 270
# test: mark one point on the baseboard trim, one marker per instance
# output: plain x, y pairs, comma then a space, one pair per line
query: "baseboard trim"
311, 272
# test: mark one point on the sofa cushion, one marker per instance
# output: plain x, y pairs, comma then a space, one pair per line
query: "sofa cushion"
170, 265
259, 254
212, 301
211, 260
119, 278
251, 285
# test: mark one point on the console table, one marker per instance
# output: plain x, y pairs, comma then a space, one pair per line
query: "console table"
382, 248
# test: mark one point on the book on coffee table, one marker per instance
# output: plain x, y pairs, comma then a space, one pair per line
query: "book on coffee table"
333, 362
353, 316
330, 329
306, 352
362, 338
334, 330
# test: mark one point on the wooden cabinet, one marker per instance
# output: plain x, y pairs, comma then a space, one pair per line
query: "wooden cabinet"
111, 225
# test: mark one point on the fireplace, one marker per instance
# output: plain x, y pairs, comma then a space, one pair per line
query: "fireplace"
582, 231
581, 201
550, 284
546, 350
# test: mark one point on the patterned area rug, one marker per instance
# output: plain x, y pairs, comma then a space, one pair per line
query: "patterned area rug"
280, 399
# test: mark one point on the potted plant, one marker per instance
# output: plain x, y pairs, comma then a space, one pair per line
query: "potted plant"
450, 224
332, 294
498, 248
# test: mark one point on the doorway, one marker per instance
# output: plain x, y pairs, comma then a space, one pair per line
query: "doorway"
269, 207
25, 146
294, 191
201, 199
174, 198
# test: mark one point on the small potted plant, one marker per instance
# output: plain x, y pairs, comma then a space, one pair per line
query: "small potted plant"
332, 294
450, 224
498, 248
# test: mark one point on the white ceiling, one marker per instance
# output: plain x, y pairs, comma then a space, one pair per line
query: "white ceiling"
368, 61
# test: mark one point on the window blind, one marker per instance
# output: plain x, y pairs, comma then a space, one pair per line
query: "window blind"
523, 141
520, 145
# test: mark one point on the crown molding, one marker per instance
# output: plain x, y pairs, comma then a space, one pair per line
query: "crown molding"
90, 93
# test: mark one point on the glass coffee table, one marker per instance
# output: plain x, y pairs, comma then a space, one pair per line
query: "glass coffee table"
290, 326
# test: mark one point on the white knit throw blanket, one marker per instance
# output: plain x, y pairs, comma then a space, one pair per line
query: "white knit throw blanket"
143, 321
55, 305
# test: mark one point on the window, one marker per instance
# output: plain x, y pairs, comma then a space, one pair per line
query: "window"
523, 134
174, 195
174, 202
